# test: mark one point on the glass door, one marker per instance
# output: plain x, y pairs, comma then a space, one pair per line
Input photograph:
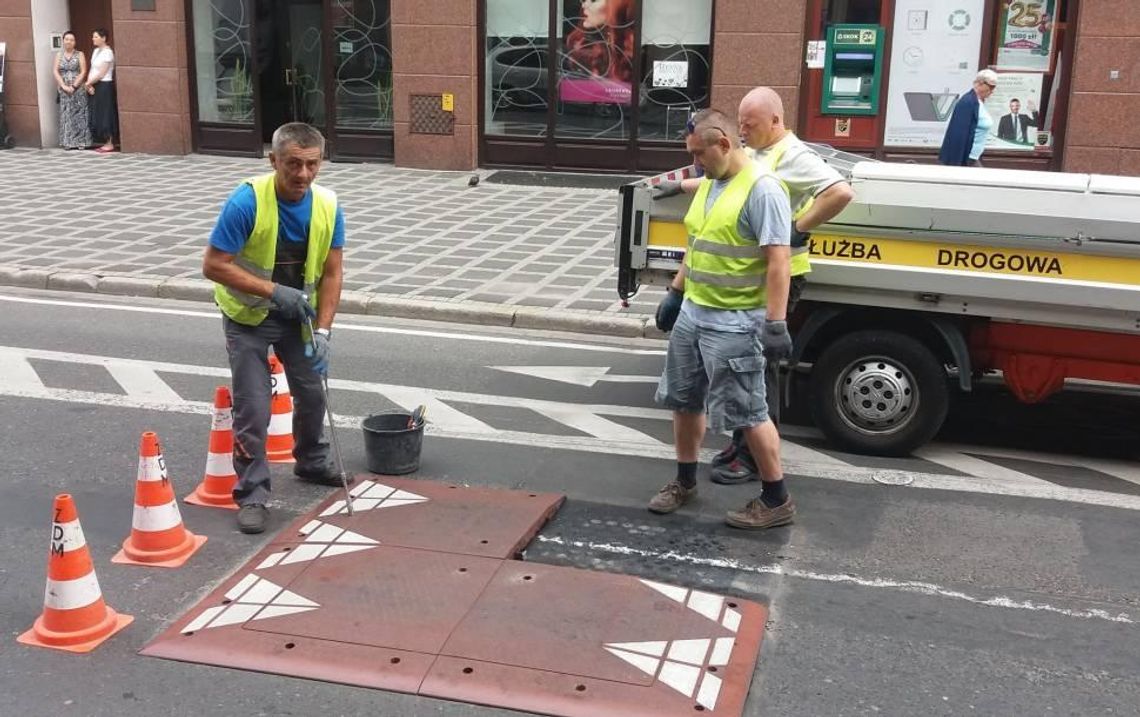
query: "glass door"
602, 84
290, 75
362, 79
224, 91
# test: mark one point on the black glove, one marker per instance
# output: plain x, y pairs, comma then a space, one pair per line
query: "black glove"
668, 188
669, 309
799, 238
292, 303
319, 351
776, 340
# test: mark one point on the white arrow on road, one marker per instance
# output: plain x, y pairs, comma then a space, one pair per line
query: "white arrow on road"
578, 375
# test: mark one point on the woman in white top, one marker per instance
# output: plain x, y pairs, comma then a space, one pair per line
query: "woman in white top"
103, 112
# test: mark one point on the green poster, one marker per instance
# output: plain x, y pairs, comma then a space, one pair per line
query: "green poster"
1026, 34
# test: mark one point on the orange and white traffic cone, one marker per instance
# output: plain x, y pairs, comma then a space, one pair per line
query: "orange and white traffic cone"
279, 438
216, 489
75, 618
158, 537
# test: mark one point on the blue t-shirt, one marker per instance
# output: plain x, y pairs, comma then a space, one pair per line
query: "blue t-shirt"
239, 212
985, 122
767, 218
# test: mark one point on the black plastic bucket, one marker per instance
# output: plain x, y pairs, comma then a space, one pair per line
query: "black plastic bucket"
390, 446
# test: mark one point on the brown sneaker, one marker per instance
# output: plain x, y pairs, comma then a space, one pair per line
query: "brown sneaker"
671, 497
757, 516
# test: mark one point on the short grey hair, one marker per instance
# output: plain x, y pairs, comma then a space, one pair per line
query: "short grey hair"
987, 77
298, 133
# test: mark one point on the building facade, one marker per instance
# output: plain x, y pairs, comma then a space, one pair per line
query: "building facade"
590, 84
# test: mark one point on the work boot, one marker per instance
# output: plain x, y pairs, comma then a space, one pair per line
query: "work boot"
757, 516
727, 455
325, 475
742, 469
252, 517
671, 497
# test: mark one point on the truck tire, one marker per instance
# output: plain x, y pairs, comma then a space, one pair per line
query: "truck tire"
878, 393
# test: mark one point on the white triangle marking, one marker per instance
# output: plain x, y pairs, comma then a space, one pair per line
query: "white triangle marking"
327, 533
302, 553
670, 591
378, 490
261, 594
291, 598
202, 620
405, 495
351, 537
343, 549
335, 508
710, 690
271, 560
399, 503
310, 526
706, 604
682, 678
648, 665
690, 651
722, 651
731, 619
234, 614
361, 487
656, 649
279, 610
236, 591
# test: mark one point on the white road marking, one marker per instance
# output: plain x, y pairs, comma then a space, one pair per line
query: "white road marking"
142, 382
596, 426
1125, 470
18, 371
973, 466
344, 325
910, 586
575, 375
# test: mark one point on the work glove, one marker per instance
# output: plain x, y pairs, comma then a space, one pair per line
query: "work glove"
667, 188
319, 350
669, 309
292, 303
799, 238
776, 340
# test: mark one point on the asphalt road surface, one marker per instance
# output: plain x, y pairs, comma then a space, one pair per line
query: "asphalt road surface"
1001, 580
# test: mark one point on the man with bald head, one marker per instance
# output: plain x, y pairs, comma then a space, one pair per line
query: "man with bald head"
817, 191
727, 308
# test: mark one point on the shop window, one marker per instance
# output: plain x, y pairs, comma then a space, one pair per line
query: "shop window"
516, 76
222, 61
595, 68
675, 66
1027, 37
363, 60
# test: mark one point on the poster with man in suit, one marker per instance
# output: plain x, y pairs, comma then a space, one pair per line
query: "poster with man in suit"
1014, 108
1014, 127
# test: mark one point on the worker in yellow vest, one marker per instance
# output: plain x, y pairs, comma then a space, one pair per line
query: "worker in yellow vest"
727, 308
818, 193
275, 256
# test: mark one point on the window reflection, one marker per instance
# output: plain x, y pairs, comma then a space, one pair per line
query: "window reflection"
363, 60
222, 61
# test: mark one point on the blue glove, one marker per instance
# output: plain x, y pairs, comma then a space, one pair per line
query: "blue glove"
292, 303
776, 340
319, 350
669, 309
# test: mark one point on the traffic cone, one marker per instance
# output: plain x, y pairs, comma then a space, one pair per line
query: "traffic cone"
279, 438
158, 537
75, 618
216, 489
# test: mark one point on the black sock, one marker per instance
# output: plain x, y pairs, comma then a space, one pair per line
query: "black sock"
687, 474
773, 493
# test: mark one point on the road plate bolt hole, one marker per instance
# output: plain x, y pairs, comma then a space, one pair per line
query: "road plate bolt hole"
483, 542
226, 601
732, 604
528, 577
290, 645
468, 670
463, 570
580, 688
395, 660
187, 634
533, 495
712, 668
699, 708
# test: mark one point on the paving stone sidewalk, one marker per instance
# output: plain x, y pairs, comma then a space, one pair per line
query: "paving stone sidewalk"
421, 243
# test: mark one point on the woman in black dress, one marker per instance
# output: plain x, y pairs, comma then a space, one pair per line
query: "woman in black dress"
70, 70
103, 109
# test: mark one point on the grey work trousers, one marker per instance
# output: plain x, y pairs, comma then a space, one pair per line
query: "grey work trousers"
248, 349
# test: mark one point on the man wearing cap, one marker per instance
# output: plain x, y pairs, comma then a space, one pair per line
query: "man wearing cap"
731, 291
275, 256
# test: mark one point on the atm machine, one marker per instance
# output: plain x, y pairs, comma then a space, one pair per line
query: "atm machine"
852, 71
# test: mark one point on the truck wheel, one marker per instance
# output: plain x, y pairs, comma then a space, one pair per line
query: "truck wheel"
879, 393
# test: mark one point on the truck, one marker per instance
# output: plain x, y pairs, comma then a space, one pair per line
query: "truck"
933, 279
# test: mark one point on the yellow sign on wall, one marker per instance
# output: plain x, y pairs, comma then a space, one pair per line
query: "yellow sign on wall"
447, 102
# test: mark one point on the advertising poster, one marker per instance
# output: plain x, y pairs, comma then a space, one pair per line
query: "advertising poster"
1025, 35
1015, 108
597, 52
934, 58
